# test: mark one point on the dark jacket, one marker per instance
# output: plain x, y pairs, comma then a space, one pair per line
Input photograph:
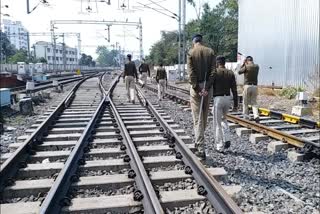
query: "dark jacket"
130, 70
250, 74
161, 74
144, 67
201, 63
225, 81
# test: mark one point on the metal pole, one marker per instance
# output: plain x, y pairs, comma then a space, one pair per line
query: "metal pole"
184, 42
28, 7
108, 33
140, 39
64, 53
179, 42
79, 45
28, 39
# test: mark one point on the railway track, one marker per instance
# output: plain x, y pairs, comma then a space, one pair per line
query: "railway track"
287, 130
96, 153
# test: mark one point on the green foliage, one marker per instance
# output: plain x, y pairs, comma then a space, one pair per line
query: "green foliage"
290, 92
166, 50
6, 48
86, 60
107, 57
43, 60
219, 27
20, 56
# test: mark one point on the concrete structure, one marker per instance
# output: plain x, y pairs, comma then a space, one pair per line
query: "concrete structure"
16, 33
45, 50
283, 38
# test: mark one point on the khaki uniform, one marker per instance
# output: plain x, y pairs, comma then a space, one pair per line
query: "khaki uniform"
201, 69
144, 73
250, 89
161, 78
224, 82
130, 73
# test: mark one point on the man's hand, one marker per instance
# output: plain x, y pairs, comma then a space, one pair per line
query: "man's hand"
203, 92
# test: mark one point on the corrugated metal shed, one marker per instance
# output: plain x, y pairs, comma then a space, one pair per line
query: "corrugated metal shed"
284, 35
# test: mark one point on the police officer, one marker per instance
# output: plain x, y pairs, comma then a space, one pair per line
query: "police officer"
144, 72
201, 70
161, 78
224, 82
130, 73
250, 89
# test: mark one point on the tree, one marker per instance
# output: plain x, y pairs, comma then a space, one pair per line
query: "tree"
20, 56
6, 48
43, 60
107, 57
165, 51
87, 60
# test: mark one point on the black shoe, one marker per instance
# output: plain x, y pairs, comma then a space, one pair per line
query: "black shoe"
133, 102
142, 86
201, 155
227, 144
257, 120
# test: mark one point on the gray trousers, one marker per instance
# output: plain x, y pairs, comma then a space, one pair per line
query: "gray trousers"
221, 106
143, 78
199, 121
250, 93
161, 88
130, 87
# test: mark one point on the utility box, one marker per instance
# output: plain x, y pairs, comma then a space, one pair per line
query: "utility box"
21, 68
5, 97
30, 86
39, 67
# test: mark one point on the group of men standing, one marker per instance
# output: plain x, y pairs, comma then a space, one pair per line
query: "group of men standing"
130, 74
209, 78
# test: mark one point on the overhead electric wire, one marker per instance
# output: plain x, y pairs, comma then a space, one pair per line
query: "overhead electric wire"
158, 11
163, 8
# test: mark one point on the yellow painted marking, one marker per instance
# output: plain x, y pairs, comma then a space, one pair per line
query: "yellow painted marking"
290, 118
264, 111
318, 124
78, 72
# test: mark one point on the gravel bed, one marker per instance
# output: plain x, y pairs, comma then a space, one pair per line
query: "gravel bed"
167, 168
96, 192
94, 158
179, 185
32, 198
201, 207
16, 124
85, 172
260, 174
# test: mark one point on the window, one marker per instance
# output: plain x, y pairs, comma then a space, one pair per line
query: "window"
57, 58
60, 58
49, 57
57, 50
48, 49
60, 51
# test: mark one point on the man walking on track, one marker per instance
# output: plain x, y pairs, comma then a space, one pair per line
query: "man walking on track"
161, 78
250, 89
201, 70
130, 73
224, 82
144, 72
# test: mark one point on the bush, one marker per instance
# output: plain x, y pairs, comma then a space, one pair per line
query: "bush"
290, 92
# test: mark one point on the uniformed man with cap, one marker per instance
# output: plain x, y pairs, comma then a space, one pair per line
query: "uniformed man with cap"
161, 78
250, 89
144, 72
224, 82
201, 69
130, 73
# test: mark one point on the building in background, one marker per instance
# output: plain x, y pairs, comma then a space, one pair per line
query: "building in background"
283, 38
16, 33
45, 50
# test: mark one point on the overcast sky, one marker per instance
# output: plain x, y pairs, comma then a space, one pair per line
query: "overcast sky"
93, 35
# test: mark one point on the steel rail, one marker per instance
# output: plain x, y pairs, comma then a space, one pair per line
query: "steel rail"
18, 159
56, 197
150, 201
207, 184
